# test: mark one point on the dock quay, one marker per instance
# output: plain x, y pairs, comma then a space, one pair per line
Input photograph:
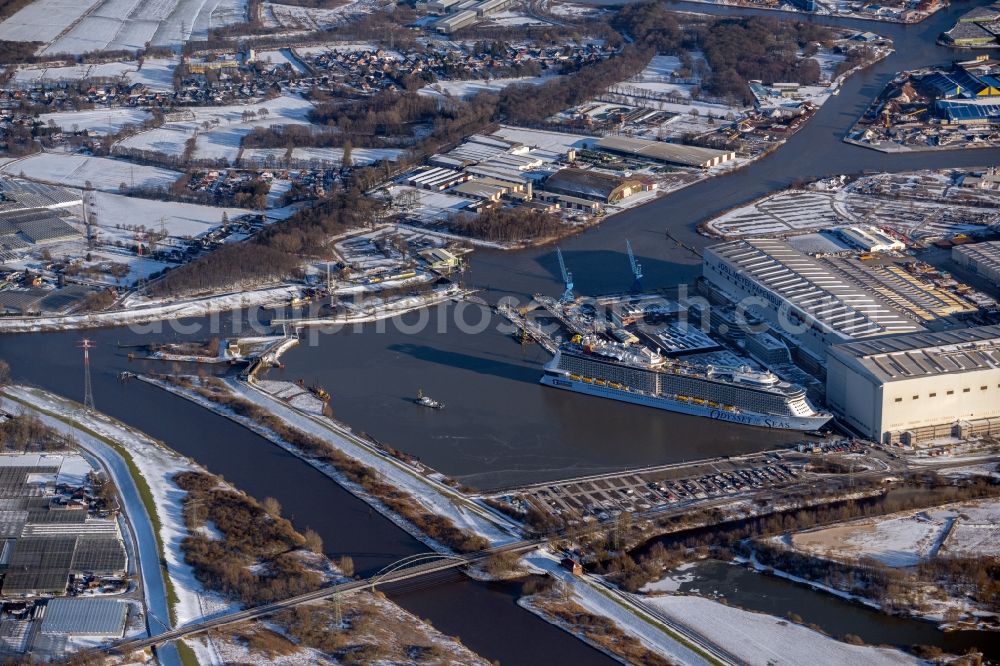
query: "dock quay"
526, 327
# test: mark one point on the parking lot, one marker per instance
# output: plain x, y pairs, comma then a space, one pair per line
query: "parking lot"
601, 497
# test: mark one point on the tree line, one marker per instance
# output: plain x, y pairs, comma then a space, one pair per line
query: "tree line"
737, 49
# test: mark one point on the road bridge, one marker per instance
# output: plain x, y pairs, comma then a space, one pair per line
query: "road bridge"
411, 567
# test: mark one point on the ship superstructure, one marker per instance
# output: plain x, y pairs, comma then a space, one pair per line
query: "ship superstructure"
636, 374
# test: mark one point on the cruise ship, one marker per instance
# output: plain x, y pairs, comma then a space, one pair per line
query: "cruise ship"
638, 375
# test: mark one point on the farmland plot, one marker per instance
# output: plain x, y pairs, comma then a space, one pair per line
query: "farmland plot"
77, 170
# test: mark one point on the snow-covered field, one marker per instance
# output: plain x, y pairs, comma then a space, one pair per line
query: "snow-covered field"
43, 20
276, 15
514, 18
788, 212
335, 156
178, 219
28, 75
103, 121
765, 640
157, 74
166, 140
220, 128
139, 310
465, 89
282, 57
101, 172
131, 24
904, 540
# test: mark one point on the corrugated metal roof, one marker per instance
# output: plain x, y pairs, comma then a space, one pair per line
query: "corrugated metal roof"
85, 617
901, 357
666, 152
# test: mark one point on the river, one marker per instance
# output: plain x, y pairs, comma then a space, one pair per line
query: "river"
743, 587
499, 427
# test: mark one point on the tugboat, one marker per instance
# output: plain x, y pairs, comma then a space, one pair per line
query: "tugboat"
427, 401
320, 392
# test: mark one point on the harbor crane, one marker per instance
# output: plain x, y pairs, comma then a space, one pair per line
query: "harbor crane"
567, 277
636, 267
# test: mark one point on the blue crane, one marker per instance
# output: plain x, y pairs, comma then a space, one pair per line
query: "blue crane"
636, 267
567, 277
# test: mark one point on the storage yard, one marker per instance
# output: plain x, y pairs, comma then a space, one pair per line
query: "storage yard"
914, 207
935, 108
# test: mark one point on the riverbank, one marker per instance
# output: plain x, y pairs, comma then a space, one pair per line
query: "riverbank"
138, 313
420, 486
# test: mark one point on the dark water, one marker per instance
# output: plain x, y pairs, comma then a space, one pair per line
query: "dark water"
500, 427
753, 591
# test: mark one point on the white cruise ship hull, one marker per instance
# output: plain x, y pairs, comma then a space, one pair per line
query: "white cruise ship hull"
662, 402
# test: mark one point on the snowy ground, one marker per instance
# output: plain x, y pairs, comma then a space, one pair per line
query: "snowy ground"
130, 25
276, 15
335, 156
766, 640
27, 76
139, 311
430, 206
101, 172
589, 594
318, 157
282, 57
902, 202
179, 220
156, 464
903, 540
43, 20
220, 128
157, 74
465, 89
103, 121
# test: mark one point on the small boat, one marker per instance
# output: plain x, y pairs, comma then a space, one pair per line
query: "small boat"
125, 375
320, 392
427, 401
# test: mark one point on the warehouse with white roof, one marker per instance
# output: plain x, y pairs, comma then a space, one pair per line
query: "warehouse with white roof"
800, 296
916, 387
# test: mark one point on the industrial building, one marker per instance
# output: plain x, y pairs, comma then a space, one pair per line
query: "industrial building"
967, 113
915, 387
567, 202
436, 178
92, 618
810, 300
665, 153
871, 239
44, 538
983, 259
592, 185
461, 19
